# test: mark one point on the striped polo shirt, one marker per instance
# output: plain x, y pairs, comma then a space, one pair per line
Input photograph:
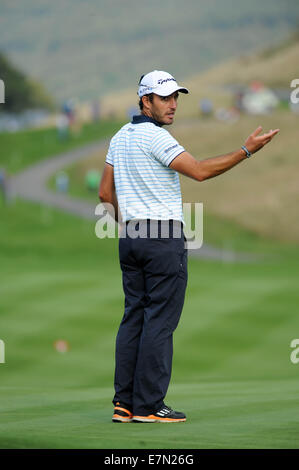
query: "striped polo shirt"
146, 188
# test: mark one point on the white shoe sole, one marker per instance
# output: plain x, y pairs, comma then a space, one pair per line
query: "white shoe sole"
121, 419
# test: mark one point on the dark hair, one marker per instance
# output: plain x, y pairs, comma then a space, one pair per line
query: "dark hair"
150, 97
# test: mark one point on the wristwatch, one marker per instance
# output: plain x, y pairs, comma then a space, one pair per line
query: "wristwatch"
248, 154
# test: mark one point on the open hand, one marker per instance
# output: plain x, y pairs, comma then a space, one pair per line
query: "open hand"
255, 141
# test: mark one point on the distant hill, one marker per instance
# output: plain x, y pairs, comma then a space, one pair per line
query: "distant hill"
89, 48
274, 66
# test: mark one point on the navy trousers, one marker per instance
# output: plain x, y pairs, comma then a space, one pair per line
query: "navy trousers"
154, 274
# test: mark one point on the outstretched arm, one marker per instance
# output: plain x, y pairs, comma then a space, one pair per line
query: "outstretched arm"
201, 170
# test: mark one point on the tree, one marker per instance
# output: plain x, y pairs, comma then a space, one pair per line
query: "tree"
21, 92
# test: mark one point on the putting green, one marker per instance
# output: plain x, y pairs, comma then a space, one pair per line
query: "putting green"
232, 372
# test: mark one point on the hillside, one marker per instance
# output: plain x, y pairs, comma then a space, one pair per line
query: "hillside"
261, 194
89, 48
275, 67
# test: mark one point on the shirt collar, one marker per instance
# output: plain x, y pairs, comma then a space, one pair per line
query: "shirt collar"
142, 118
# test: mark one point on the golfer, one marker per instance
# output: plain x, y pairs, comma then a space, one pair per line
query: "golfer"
141, 183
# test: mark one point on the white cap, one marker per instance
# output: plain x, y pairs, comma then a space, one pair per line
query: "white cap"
159, 82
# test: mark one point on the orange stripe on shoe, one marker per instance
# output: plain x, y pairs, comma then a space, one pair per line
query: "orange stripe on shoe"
123, 409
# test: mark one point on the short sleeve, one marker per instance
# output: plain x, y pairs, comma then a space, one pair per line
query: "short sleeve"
109, 156
165, 148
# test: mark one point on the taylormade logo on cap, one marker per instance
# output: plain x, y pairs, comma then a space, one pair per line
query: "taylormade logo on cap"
163, 80
159, 82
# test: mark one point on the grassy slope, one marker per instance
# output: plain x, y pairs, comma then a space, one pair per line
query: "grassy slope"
232, 373
261, 193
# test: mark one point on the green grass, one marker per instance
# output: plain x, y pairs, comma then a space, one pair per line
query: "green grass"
24, 148
77, 187
232, 373
223, 414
